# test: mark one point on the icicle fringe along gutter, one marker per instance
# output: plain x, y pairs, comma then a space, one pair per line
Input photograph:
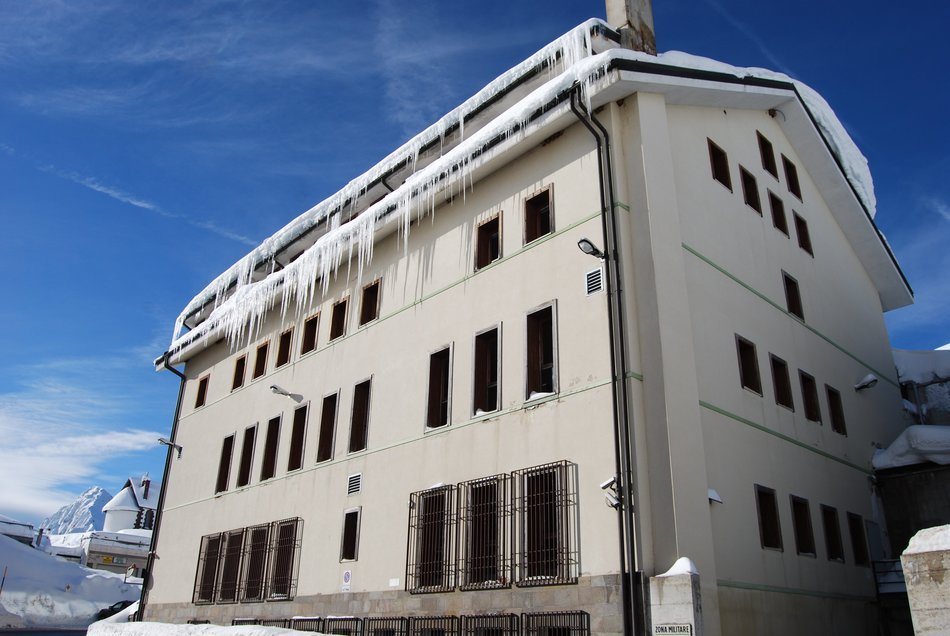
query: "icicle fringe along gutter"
242, 314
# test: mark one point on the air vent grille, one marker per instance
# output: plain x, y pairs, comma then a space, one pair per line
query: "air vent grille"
354, 484
594, 281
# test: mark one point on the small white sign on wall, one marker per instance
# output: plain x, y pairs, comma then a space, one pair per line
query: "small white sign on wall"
679, 629
347, 577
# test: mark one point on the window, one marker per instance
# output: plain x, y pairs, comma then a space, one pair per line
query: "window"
546, 526
440, 374
359, 423
260, 361
767, 154
541, 374
778, 214
537, 216
487, 243
793, 297
836, 411
283, 348
491, 625
770, 530
282, 583
206, 579
310, 327
256, 545
240, 365
338, 320
431, 563
297, 434
781, 382
829, 521
327, 425
557, 624
389, 626
434, 626
224, 465
230, 566
346, 626
750, 190
720, 164
748, 365
810, 397
859, 545
791, 177
804, 238
247, 455
202, 391
269, 465
483, 522
801, 521
486, 372
369, 307
349, 546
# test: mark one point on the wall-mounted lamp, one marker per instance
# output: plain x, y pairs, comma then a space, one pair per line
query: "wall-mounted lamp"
589, 248
866, 382
612, 493
170, 444
296, 397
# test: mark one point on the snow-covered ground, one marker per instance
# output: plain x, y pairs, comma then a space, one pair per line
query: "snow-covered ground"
163, 629
43, 591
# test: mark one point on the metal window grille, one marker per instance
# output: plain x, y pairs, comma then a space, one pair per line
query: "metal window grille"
354, 483
256, 551
546, 525
347, 626
594, 281
491, 625
307, 624
275, 622
557, 624
230, 564
207, 575
246, 621
430, 566
198, 621
484, 519
398, 626
285, 546
435, 626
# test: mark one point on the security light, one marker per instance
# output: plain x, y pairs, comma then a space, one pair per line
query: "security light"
296, 397
170, 444
589, 248
866, 382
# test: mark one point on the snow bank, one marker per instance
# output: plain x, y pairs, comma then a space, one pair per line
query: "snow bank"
930, 540
164, 629
922, 367
916, 445
683, 565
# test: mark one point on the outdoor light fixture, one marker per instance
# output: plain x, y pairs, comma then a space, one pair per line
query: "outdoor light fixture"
281, 391
170, 444
589, 248
866, 382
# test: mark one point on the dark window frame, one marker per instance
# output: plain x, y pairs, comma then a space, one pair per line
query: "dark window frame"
298, 437
750, 190
802, 526
439, 388
311, 332
767, 155
541, 374
803, 234
836, 411
240, 372
484, 541
206, 575
538, 217
779, 218
285, 345
338, 325
431, 561
556, 623
770, 524
224, 464
359, 416
257, 541
201, 395
859, 541
229, 574
326, 438
271, 448
350, 545
782, 382
793, 296
482, 378
791, 177
369, 307
831, 526
487, 242
719, 164
811, 406
749, 376
246, 462
260, 360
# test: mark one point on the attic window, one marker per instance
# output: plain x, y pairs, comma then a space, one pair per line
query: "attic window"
338, 320
487, 243
283, 348
369, 307
750, 190
767, 154
354, 483
791, 177
778, 214
537, 216
720, 164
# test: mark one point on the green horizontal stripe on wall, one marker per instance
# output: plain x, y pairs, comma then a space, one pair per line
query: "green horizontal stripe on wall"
782, 436
884, 376
776, 589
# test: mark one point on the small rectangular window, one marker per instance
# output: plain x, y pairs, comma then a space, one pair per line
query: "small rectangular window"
781, 382
793, 297
767, 154
770, 529
359, 424
224, 464
369, 306
338, 320
283, 348
327, 426
487, 243
859, 544
440, 373
240, 366
282, 583
801, 520
349, 546
202, 392
537, 216
247, 456
260, 361
750, 190
778, 214
748, 365
541, 374
810, 397
829, 521
836, 411
804, 238
309, 341
719, 163
271, 439
791, 177
297, 435
486, 372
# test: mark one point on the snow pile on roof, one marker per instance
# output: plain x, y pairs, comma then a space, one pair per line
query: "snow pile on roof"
13, 528
935, 539
164, 629
916, 445
242, 313
683, 565
922, 367
125, 500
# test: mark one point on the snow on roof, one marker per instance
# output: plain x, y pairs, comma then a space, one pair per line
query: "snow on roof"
241, 311
936, 539
13, 528
915, 445
922, 367
125, 500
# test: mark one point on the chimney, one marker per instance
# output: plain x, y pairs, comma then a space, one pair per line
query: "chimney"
634, 20
146, 482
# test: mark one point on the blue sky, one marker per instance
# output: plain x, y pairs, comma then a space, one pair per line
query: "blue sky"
145, 147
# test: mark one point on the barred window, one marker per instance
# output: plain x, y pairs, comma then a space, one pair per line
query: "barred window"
484, 518
491, 625
388, 626
435, 626
546, 549
307, 623
230, 566
282, 583
557, 624
205, 580
256, 544
346, 625
431, 563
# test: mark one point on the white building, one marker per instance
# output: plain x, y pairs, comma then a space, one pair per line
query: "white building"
133, 507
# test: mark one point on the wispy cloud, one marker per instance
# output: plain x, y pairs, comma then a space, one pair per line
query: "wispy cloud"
752, 35
937, 205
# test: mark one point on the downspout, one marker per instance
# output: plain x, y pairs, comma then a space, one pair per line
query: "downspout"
147, 578
633, 619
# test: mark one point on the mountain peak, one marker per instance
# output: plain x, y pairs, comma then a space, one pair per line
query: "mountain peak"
82, 515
